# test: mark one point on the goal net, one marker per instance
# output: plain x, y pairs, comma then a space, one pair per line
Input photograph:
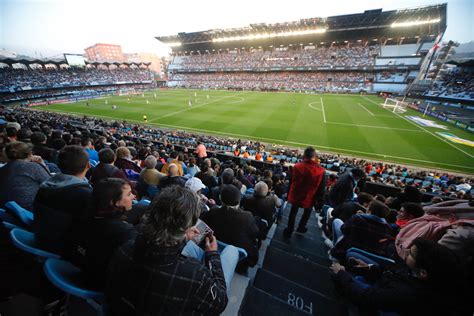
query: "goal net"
396, 106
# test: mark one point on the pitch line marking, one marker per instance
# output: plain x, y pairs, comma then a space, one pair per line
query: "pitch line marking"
324, 113
420, 127
265, 138
311, 105
366, 109
191, 108
374, 126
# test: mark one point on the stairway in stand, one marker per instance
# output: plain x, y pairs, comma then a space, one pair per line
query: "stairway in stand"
295, 277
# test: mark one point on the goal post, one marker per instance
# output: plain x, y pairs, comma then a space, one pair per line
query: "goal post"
396, 106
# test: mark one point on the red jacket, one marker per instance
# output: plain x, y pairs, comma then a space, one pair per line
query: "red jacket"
307, 184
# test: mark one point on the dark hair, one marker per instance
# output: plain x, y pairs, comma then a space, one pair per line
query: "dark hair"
172, 212
17, 150
412, 194
414, 209
72, 160
269, 183
358, 173
309, 153
11, 131
106, 155
364, 198
58, 143
174, 154
38, 138
391, 217
380, 197
85, 141
379, 209
24, 134
106, 193
441, 264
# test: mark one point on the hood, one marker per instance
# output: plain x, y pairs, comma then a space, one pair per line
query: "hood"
60, 180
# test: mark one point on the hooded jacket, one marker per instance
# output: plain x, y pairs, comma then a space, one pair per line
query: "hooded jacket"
62, 202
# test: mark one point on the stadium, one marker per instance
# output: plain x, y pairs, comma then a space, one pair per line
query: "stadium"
130, 191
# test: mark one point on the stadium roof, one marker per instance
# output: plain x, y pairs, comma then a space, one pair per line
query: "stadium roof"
464, 62
62, 61
421, 22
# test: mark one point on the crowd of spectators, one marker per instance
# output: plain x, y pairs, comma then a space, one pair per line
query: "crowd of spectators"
319, 81
69, 93
12, 80
354, 56
455, 83
80, 177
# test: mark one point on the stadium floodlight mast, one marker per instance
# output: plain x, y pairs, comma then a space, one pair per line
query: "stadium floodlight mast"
269, 35
415, 23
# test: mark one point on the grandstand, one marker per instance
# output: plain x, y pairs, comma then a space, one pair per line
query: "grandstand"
374, 44
104, 175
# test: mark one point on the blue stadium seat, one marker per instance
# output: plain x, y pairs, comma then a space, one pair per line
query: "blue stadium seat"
70, 279
4, 216
25, 241
23, 214
9, 226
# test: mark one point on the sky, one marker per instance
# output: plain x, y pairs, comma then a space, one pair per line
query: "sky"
48, 28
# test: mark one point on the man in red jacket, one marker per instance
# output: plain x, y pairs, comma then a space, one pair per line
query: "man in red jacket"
306, 190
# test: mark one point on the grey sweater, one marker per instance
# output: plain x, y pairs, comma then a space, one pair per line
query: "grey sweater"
19, 182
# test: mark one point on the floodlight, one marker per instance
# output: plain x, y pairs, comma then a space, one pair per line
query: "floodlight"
269, 35
415, 23
174, 44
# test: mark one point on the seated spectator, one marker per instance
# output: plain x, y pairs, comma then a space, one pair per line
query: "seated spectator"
38, 139
207, 176
345, 210
149, 174
96, 239
173, 177
260, 203
343, 190
173, 159
124, 160
369, 232
196, 185
193, 169
63, 201
408, 211
233, 225
434, 285
106, 169
151, 277
409, 194
87, 144
21, 177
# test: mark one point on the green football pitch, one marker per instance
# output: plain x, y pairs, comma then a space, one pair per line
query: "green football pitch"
348, 124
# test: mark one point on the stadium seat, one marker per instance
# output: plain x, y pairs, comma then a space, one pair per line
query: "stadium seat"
25, 241
70, 279
5, 219
23, 214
